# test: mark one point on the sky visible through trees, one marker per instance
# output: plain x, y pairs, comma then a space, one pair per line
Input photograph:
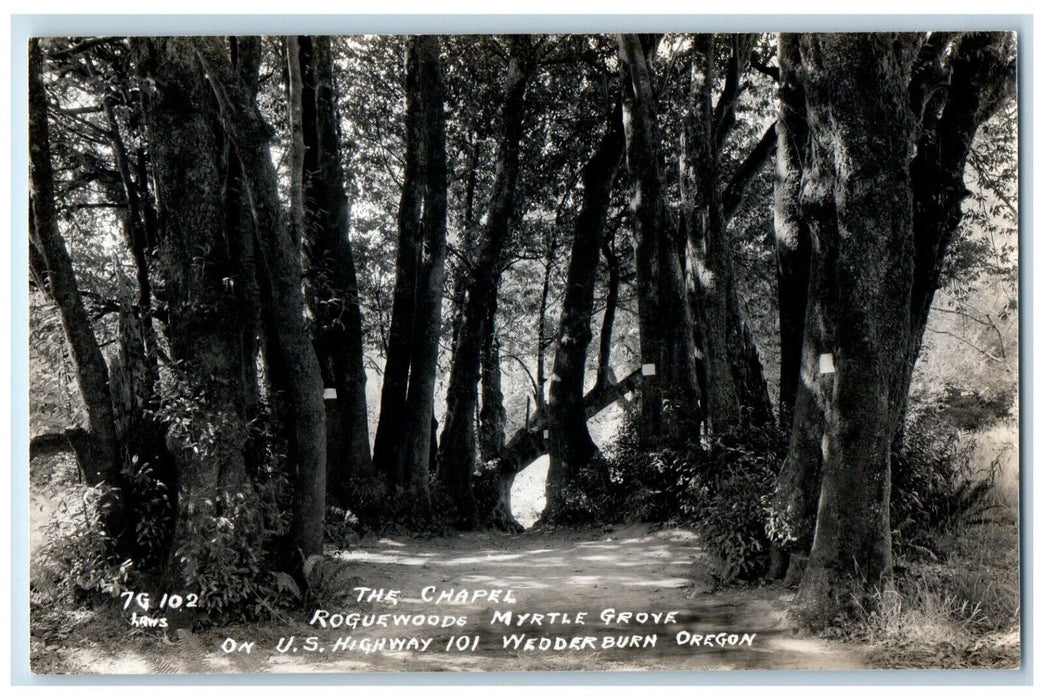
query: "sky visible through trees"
283, 288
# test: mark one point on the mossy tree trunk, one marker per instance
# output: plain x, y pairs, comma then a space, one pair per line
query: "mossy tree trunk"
245, 127
664, 317
863, 135
206, 429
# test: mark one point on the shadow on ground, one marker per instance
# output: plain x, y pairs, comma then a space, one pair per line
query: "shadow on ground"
660, 577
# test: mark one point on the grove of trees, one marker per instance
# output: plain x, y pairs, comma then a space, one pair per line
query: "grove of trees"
731, 236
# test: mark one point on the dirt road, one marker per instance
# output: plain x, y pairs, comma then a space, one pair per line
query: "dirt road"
582, 583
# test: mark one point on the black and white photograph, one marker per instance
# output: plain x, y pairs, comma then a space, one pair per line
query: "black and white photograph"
515, 352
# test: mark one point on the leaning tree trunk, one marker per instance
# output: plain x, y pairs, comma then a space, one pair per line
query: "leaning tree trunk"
457, 445
862, 130
245, 126
332, 284
664, 318
101, 460
493, 481
569, 443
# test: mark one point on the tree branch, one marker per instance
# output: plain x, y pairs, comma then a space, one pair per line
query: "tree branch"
755, 160
971, 345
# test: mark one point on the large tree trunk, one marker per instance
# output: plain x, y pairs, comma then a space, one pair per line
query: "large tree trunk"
408, 391
206, 436
246, 128
492, 417
570, 444
803, 334
664, 318
862, 131
246, 55
980, 80
462, 269
792, 236
332, 284
457, 445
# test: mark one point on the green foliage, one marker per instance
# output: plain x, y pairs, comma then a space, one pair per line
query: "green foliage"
720, 488
934, 484
79, 556
225, 553
723, 491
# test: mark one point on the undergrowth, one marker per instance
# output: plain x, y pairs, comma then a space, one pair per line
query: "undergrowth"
955, 599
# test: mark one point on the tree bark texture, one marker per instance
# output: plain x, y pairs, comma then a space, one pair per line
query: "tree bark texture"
960, 95
612, 300
404, 463
244, 125
664, 318
792, 236
492, 416
862, 131
388, 448
194, 261
206, 430
457, 444
803, 325
431, 265
570, 445
333, 290
736, 391
102, 459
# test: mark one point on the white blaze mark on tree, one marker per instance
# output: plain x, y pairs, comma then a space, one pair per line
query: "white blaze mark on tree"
649, 370
329, 393
826, 363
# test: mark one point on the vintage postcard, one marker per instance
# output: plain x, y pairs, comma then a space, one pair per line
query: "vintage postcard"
523, 352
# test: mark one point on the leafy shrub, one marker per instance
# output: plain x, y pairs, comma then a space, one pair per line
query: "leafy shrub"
934, 484
644, 483
330, 580
719, 488
723, 491
153, 513
79, 556
226, 552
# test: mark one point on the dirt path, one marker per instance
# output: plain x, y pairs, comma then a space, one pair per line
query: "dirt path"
627, 570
